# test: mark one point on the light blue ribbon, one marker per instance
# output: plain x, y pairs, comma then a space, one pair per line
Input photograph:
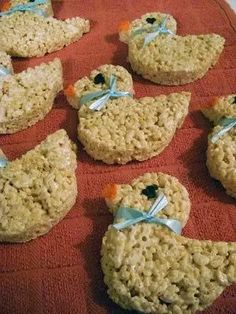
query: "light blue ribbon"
103, 96
26, 7
4, 71
228, 124
133, 216
153, 31
3, 162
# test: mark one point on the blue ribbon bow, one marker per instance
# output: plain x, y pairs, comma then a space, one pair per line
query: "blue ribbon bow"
153, 31
4, 71
132, 216
26, 7
103, 96
228, 124
3, 162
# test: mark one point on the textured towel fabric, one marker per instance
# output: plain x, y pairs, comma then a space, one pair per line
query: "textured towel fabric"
60, 272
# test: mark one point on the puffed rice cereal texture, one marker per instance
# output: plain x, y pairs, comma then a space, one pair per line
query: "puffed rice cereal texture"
25, 34
38, 189
221, 159
147, 20
150, 269
5, 61
224, 106
27, 97
131, 195
128, 129
46, 8
175, 60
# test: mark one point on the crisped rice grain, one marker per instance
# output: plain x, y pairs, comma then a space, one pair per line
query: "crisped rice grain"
27, 97
25, 34
37, 190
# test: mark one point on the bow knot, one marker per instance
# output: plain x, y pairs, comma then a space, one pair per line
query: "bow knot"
153, 31
3, 162
26, 7
132, 216
103, 96
227, 124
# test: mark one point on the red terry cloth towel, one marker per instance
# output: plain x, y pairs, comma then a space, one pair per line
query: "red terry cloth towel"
60, 272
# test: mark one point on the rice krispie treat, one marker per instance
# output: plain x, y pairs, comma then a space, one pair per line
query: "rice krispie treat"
38, 189
5, 64
149, 268
224, 106
221, 151
27, 97
44, 5
26, 34
221, 158
159, 55
121, 129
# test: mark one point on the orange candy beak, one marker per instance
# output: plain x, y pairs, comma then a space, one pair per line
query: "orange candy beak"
6, 6
69, 91
110, 191
124, 26
213, 102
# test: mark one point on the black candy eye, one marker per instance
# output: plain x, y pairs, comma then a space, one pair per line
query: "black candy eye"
151, 20
234, 100
150, 191
99, 79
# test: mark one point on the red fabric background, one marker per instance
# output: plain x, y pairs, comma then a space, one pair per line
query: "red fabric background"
60, 272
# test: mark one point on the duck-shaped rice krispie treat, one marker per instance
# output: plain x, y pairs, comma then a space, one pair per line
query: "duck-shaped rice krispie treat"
221, 151
38, 189
5, 64
27, 97
148, 267
29, 34
159, 55
116, 128
43, 6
